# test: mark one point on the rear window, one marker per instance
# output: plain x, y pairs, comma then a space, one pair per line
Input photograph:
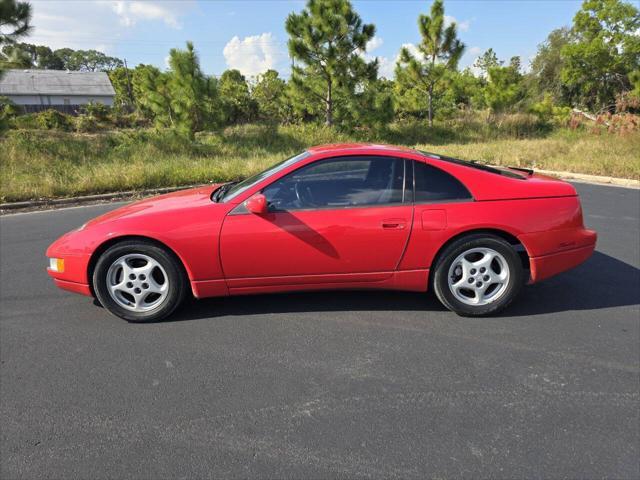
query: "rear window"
435, 185
476, 165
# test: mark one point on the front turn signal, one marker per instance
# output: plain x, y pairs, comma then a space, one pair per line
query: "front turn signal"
56, 265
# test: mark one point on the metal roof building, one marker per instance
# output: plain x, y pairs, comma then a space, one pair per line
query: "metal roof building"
37, 90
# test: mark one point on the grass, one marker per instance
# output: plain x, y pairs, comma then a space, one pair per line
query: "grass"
47, 164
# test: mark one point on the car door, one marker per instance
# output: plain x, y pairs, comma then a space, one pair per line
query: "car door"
342, 219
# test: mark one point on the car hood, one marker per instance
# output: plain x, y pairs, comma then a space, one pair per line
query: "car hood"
167, 204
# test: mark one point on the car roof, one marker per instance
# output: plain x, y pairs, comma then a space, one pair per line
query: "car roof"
341, 147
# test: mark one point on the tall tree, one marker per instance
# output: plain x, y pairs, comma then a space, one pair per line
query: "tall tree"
269, 95
547, 65
15, 20
121, 80
604, 49
235, 97
328, 37
12, 57
370, 106
90, 61
151, 91
487, 60
41, 56
504, 88
189, 90
438, 52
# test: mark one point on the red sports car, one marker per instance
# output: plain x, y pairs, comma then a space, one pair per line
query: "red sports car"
353, 216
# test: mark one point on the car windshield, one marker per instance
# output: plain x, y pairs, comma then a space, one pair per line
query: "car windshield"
236, 189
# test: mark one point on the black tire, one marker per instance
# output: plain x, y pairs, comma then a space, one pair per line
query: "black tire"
440, 278
175, 276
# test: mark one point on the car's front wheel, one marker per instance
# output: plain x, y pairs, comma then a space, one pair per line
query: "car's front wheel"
139, 281
478, 275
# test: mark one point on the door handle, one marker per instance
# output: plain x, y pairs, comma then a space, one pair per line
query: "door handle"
393, 224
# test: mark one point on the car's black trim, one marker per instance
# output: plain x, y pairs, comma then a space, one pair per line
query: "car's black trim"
474, 164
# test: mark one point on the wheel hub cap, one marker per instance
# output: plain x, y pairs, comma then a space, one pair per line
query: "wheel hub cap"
137, 282
478, 276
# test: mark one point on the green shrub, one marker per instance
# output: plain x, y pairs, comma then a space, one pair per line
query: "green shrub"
518, 125
87, 124
54, 120
8, 109
97, 110
25, 122
128, 120
550, 114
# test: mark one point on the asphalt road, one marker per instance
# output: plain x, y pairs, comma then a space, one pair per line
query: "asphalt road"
325, 385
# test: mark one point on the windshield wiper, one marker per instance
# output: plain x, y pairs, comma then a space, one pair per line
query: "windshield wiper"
220, 192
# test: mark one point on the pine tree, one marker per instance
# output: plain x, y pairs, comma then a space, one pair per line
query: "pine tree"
237, 104
439, 51
15, 21
190, 91
487, 60
328, 37
269, 96
151, 91
504, 88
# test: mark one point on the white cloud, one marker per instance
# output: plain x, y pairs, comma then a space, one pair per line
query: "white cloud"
463, 25
386, 67
374, 44
255, 54
133, 11
413, 50
469, 59
98, 25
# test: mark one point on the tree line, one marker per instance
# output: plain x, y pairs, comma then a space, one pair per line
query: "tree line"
594, 65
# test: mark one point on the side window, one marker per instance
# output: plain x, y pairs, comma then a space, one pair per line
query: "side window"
435, 185
338, 183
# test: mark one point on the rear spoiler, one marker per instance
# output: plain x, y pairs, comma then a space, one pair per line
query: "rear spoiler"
528, 171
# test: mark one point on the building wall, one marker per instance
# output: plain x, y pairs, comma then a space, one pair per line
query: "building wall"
59, 100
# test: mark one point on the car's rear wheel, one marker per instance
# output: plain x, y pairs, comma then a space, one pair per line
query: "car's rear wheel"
478, 275
139, 281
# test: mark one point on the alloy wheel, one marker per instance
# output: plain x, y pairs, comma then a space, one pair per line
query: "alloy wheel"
479, 276
137, 282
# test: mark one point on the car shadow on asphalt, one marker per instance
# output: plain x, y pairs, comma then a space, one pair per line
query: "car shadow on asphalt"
601, 282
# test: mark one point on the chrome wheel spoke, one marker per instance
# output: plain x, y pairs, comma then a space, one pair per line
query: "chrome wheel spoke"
501, 277
478, 276
137, 282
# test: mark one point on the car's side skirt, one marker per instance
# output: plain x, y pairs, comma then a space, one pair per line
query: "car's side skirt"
409, 280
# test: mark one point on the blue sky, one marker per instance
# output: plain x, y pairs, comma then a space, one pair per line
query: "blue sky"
249, 34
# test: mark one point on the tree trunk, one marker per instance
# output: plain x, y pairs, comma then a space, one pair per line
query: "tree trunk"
431, 105
329, 105
589, 116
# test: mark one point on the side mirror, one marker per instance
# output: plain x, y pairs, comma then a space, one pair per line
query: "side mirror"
257, 204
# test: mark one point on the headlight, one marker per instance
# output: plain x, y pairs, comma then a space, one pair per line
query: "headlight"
56, 265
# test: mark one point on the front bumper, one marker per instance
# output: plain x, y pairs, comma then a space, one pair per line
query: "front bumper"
81, 288
74, 277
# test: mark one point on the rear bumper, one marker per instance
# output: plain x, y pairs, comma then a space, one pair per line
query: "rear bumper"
549, 265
